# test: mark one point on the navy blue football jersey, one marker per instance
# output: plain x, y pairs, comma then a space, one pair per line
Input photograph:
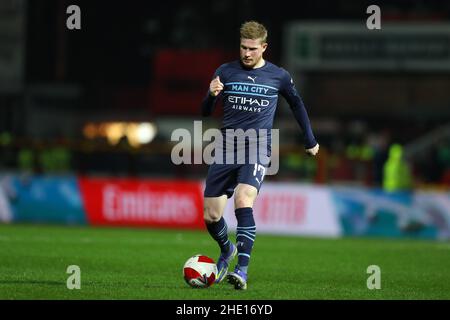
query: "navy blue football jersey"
250, 98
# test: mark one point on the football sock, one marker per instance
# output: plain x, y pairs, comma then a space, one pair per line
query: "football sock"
219, 231
245, 236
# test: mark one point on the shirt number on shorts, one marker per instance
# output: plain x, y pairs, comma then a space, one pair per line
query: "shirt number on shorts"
259, 168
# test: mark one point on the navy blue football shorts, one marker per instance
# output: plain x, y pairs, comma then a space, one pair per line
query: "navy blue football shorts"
223, 178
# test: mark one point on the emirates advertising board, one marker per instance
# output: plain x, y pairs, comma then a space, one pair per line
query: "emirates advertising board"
152, 203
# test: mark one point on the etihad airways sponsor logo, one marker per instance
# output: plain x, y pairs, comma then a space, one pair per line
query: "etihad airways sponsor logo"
250, 101
245, 108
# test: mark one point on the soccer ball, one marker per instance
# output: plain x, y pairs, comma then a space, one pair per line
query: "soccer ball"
200, 271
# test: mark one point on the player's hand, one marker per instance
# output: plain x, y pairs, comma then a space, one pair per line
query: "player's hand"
215, 87
313, 151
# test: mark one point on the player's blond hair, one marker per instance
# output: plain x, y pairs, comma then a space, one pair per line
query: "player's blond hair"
253, 30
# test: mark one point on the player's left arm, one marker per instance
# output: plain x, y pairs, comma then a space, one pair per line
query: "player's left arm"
289, 92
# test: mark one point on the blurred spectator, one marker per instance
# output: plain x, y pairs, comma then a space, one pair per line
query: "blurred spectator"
380, 145
6, 150
296, 166
443, 157
26, 160
397, 175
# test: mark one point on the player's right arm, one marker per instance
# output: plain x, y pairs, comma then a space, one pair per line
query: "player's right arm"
215, 88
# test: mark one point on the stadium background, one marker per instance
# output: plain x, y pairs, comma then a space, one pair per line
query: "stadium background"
86, 118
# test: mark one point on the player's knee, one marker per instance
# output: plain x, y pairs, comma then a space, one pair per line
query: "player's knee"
243, 201
210, 215
244, 197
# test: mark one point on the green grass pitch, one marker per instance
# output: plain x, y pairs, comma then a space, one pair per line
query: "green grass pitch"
126, 263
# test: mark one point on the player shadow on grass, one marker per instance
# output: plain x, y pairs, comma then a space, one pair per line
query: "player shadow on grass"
153, 286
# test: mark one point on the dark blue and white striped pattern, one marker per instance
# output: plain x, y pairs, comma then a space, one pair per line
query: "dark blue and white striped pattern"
246, 232
219, 231
222, 238
245, 235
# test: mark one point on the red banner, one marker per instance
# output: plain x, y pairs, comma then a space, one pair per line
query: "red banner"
190, 80
133, 202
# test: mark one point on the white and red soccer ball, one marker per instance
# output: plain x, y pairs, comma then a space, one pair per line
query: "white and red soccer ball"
200, 271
